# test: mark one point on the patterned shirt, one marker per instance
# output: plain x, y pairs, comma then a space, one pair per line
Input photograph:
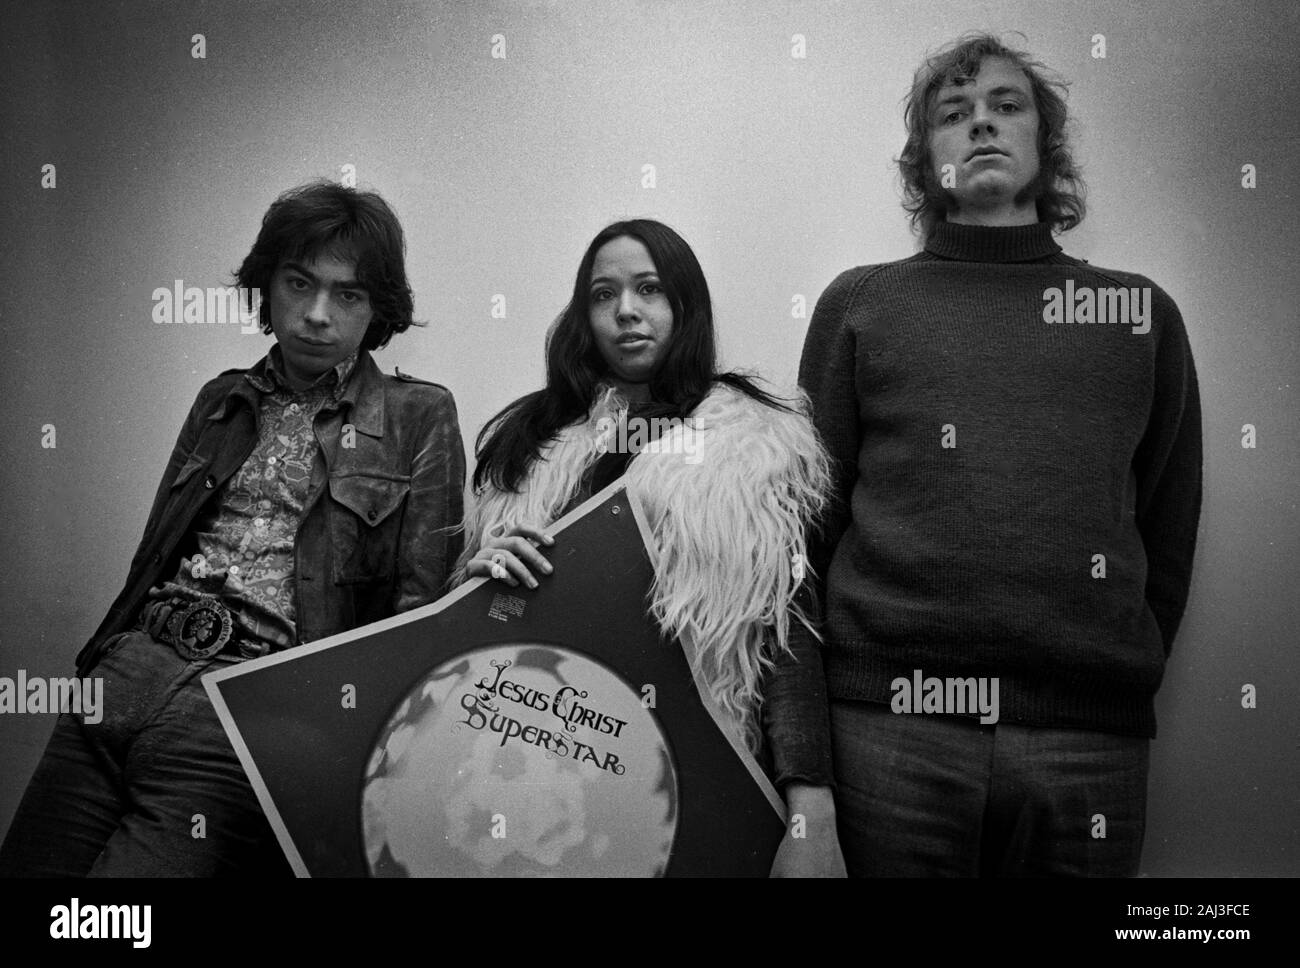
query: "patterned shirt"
245, 546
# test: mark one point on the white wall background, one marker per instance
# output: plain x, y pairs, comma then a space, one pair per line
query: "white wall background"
777, 170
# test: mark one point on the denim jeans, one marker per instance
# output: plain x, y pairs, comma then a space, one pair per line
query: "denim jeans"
131, 794
922, 795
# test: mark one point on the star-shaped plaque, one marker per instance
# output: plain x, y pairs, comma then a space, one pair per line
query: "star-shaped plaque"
506, 732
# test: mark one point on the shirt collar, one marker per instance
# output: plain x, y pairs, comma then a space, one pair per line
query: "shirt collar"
269, 378
361, 393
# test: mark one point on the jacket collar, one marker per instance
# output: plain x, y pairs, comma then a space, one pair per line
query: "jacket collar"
362, 397
270, 377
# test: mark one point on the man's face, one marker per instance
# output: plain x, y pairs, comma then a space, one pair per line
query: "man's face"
319, 314
987, 129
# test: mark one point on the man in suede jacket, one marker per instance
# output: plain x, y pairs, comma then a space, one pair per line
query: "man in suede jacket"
305, 496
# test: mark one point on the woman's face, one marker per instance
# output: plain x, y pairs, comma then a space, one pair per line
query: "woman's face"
631, 318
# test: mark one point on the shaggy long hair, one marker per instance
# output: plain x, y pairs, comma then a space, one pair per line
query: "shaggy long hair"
510, 442
1058, 189
323, 218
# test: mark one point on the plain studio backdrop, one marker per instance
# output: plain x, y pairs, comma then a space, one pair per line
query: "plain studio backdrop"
778, 169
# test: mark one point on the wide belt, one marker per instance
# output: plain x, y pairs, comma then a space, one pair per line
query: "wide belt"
199, 629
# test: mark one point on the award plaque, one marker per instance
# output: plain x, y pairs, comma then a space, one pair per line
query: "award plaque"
506, 732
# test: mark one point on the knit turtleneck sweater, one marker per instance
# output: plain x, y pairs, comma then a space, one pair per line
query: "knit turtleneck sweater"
1018, 482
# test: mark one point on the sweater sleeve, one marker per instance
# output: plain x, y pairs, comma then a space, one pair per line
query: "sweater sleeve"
796, 713
827, 372
1167, 466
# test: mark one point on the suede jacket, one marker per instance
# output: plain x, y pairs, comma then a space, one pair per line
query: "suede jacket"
382, 525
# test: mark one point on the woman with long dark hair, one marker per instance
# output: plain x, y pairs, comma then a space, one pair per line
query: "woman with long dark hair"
730, 477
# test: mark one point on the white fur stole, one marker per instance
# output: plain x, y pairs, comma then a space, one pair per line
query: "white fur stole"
729, 495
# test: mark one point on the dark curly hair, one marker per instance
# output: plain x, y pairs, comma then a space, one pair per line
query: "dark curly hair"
1058, 189
323, 217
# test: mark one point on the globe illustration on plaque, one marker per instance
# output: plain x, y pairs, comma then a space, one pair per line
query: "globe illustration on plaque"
520, 760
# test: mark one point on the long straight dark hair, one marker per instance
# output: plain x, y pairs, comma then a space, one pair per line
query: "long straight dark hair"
509, 442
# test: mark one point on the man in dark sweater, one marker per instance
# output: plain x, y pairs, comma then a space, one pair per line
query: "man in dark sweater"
1016, 438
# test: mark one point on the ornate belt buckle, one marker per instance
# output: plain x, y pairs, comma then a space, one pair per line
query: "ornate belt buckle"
202, 630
